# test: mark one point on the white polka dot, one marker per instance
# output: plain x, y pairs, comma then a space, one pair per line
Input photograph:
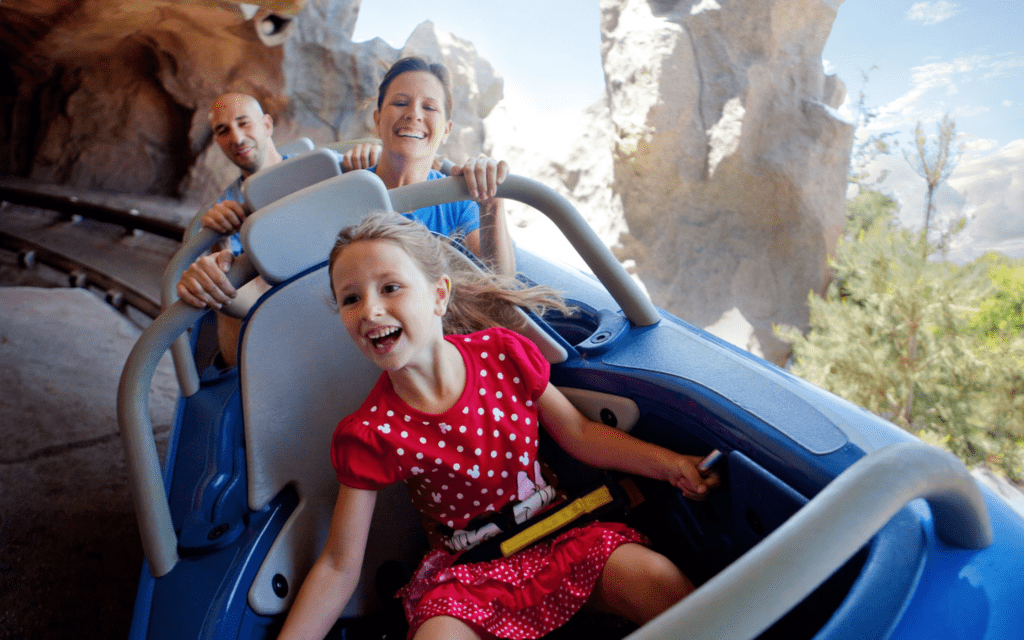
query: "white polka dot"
459, 448
515, 379
437, 460
504, 474
391, 413
373, 408
480, 411
500, 492
508, 455
462, 429
477, 451
512, 437
498, 395
401, 451
494, 454
490, 474
501, 356
479, 432
483, 354
455, 466
483, 391
423, 441
441, 444
405, 434
419, 456
483, 373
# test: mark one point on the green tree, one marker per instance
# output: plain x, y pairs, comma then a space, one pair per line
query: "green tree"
893, 333
935, 160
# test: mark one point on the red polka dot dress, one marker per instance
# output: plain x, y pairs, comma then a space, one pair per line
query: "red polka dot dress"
475, 458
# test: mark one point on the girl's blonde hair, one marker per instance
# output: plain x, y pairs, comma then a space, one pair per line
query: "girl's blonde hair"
479, 299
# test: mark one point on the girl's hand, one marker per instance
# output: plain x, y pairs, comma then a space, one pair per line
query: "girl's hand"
683, 475
483, 176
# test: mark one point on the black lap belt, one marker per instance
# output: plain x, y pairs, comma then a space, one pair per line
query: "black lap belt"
606, 498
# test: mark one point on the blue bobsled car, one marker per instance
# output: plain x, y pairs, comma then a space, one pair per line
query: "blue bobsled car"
831, 523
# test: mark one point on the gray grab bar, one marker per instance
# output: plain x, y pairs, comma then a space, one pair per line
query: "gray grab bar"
148, 492
193, 246
762, 585
635, 304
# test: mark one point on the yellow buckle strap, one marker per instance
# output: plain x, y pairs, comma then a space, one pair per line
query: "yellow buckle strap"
578, 507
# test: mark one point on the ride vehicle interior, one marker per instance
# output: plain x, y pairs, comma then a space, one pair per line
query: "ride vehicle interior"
830, 522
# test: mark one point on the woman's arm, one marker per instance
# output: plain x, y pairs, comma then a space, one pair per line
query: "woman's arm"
333, 578
605, 447
493, 243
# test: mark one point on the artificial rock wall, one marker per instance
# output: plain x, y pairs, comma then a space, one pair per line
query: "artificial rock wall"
729, 160
716, 167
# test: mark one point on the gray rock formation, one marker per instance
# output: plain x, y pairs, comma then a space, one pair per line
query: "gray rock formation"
729, 159
716, 167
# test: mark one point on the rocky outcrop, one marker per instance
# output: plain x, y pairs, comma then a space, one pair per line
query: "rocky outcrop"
715, 167
113, 95
729, 159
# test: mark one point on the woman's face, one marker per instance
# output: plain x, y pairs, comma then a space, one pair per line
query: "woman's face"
411, 121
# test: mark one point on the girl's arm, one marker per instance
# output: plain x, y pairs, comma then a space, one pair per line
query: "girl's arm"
602, 446
333, 578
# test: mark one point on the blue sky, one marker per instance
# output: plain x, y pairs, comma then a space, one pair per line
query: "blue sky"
962, 57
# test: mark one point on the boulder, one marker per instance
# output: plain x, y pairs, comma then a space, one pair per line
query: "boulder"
729, 158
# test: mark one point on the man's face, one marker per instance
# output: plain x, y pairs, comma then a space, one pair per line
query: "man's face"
242, 130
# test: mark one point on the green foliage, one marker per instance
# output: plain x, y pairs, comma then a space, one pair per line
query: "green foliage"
908, 338
1000, 317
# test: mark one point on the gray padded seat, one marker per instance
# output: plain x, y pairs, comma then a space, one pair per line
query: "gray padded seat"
300, 374
275, 182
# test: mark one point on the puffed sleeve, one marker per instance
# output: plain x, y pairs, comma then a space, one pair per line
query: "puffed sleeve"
534, 369
362, 459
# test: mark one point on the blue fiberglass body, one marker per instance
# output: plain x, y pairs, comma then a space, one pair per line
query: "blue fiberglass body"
831, 522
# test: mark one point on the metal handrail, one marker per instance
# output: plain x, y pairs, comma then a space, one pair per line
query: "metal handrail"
762, 585
634, 303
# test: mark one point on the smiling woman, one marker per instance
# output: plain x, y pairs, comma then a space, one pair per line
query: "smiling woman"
413, 119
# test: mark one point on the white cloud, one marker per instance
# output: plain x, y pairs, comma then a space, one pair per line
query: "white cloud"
935, 85
930, 13
988, 189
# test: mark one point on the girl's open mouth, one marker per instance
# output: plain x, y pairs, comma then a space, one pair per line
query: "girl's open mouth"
382, 339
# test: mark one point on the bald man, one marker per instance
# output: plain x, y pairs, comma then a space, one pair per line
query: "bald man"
245, 134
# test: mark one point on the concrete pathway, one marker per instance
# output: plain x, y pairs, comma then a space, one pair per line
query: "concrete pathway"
70, 553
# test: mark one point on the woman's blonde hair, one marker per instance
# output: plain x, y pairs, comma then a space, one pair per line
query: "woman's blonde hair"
479, 299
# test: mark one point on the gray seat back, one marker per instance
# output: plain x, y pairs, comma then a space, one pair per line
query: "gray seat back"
274, 182
300, 374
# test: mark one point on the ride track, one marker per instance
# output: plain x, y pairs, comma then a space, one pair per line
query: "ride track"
118, 254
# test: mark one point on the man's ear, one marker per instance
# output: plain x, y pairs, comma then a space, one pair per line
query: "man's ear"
376, 121
268, 122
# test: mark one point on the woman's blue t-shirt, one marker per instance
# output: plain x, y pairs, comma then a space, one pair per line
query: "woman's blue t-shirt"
450, 218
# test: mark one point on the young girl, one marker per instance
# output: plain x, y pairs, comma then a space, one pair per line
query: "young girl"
456, 418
